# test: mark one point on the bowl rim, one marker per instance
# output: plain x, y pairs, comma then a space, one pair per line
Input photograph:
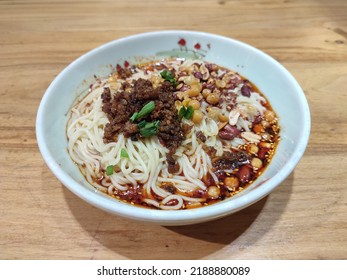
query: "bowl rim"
173, 216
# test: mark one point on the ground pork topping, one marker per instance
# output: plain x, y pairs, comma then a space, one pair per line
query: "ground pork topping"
121, 106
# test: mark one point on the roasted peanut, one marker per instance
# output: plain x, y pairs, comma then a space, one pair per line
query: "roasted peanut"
212, 99
206, 92
253, 149
265, 136
195, 104
213, 192
265, 124
244, 174
213, 112
194, 90
231, 182
197, 116
269, 115
185, 102
228, 132
220, 84
256, 163
204, 71
222, 118
246, 91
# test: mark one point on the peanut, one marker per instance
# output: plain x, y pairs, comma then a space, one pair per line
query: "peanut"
195, 104
197, 116
231, 182
213, 192
212, 99
257, 163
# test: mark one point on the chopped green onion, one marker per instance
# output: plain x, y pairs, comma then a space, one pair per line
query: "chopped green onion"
186, 113
148, 108
149, 129
168, 76
142, 124
109, 170
124, 153
182, 112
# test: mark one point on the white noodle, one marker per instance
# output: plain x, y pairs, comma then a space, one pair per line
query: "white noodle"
147, 164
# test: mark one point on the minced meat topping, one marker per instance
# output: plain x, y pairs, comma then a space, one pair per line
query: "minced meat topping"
120, 106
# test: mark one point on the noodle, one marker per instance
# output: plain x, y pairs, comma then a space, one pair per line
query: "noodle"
144, 176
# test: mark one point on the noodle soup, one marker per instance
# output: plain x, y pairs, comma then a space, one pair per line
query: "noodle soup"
172, 134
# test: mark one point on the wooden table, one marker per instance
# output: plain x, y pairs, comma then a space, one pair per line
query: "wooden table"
304, 218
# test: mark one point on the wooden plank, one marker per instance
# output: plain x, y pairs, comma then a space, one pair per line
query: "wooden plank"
304, 218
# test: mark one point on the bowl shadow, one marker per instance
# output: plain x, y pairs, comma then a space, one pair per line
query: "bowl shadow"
135, 240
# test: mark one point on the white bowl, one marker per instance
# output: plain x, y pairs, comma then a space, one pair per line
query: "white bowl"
277, 84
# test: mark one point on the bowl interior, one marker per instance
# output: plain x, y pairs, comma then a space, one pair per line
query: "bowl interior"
281, 89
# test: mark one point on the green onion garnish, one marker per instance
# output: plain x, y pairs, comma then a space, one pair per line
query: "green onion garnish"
168, 76
109, 170
149, 129
186, 113
142, 124
149, 107
124, 153
182, 112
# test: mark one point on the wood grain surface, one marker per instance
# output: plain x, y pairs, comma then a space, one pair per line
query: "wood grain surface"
304, 218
